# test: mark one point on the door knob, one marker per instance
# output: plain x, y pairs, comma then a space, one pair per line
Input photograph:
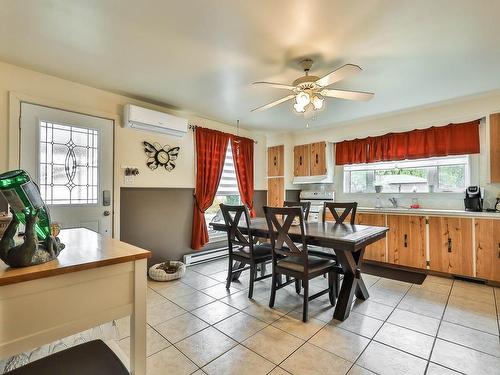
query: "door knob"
106, 213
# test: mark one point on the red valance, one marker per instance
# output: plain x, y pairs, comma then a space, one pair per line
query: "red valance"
452, 139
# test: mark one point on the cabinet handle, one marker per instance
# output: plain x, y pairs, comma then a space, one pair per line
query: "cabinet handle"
317, 158
499, 250
274, 161
300, 160
406, 240
449, 245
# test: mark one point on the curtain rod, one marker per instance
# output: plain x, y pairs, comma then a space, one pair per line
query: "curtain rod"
193, 128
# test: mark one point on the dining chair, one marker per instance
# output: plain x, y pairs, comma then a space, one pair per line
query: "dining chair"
243, 249
347, 208
291, 258
306, 207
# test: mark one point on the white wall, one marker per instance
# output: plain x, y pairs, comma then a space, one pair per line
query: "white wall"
38, 88
456, 111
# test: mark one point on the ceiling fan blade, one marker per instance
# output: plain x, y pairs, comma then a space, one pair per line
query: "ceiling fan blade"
275, 85
341, 73
349, 95
272, 104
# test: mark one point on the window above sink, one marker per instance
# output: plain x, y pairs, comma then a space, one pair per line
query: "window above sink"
440, 174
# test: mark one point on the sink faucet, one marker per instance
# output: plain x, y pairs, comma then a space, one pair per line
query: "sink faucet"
394, 202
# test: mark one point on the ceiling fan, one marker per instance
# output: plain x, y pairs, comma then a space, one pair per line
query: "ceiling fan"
309, 91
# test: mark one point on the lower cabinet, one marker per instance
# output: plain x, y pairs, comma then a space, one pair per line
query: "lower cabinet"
450, 245
487, 233
406, 240
375, 251
275, 191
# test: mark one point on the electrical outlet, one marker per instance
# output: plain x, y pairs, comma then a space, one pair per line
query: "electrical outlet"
128, 180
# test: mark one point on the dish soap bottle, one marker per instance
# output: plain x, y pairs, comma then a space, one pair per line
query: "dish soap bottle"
24, 197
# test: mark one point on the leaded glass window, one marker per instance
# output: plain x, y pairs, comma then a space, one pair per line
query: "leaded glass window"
68, 164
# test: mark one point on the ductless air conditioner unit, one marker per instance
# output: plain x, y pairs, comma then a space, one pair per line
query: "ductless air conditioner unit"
158, 122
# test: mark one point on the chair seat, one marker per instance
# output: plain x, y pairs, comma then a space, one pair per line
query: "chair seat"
315, 264
93, 357
259, 251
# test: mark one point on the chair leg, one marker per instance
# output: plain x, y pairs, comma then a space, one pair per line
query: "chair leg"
305, 306
297, 286
229, 273
253, 270
337, 285
274, 281
332, 287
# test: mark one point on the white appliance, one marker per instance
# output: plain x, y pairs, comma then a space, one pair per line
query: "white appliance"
317, 198
158, 122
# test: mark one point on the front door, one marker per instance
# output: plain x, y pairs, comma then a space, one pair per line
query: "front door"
70, 156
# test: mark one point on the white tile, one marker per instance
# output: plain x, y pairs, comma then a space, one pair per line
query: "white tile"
161, 312
463, 359
471, 338
385, 296
338, 341
424, 302
477, 315
154, 343
293, 324
373, 309
385, 360
273, 344
192, 301
239, 360
214, 312
153, 298
176, 290
171, 359
205, 346
263, 312
238, 300
180, 327
311, 360
219, 291
240, 326
435, 369
358, 370
406, 340
414, 321
361, 324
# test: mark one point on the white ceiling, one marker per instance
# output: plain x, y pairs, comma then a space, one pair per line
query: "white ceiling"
202, 55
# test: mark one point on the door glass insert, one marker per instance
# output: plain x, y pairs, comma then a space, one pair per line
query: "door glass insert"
69, 166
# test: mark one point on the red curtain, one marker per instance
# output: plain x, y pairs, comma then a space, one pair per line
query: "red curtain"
243, 161
211, 146
452, 139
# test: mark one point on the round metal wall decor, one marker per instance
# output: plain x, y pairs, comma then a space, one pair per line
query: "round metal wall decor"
160, 156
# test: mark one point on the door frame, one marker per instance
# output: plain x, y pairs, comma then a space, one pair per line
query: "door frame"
14, 136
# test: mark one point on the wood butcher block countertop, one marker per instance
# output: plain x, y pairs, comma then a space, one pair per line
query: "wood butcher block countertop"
84, 250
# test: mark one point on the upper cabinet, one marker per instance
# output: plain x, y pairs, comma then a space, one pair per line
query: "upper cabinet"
275, 161
318, 159
495, 147
301, 160
310, 159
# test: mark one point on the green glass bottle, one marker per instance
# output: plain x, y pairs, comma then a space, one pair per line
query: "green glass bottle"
24, 197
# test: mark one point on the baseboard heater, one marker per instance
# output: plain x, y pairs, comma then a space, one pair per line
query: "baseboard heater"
205, 256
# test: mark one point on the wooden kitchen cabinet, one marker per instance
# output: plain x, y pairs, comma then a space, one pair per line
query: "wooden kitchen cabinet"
318, 158
275, 191
301, 158
375, 251
495, 147
450, 245
275, 161
406, 240
487, 240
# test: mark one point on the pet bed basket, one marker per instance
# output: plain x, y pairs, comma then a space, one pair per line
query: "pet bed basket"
158, 273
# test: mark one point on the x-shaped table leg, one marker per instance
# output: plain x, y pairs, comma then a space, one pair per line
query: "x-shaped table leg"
352, 284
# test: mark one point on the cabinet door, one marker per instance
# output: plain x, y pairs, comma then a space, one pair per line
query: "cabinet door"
301, 160
406, 240
275, 191
275, 159
375, 251
318, 158
495, 147
450, 245
487, 233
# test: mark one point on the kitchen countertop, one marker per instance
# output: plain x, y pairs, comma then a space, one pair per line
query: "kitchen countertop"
428, 212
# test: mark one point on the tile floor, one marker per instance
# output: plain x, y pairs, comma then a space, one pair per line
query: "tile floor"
195, 326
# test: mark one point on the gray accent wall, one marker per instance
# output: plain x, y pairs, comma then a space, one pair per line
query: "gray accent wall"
160, 220
292, 195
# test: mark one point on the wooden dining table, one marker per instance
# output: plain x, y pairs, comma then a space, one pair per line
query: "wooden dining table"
346, 241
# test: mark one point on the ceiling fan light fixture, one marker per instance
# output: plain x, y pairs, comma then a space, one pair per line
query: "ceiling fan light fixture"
299, 108
318, 102
302, 99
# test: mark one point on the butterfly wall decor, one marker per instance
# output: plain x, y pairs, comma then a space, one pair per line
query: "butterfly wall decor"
160, 156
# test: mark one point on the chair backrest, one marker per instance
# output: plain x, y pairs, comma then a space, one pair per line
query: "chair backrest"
279, 220
348, 208
232, 216
306, 206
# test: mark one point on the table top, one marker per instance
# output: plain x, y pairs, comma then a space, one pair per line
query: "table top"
84, 249
328, 234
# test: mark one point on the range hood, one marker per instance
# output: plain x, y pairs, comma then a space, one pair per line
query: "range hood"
320, 179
